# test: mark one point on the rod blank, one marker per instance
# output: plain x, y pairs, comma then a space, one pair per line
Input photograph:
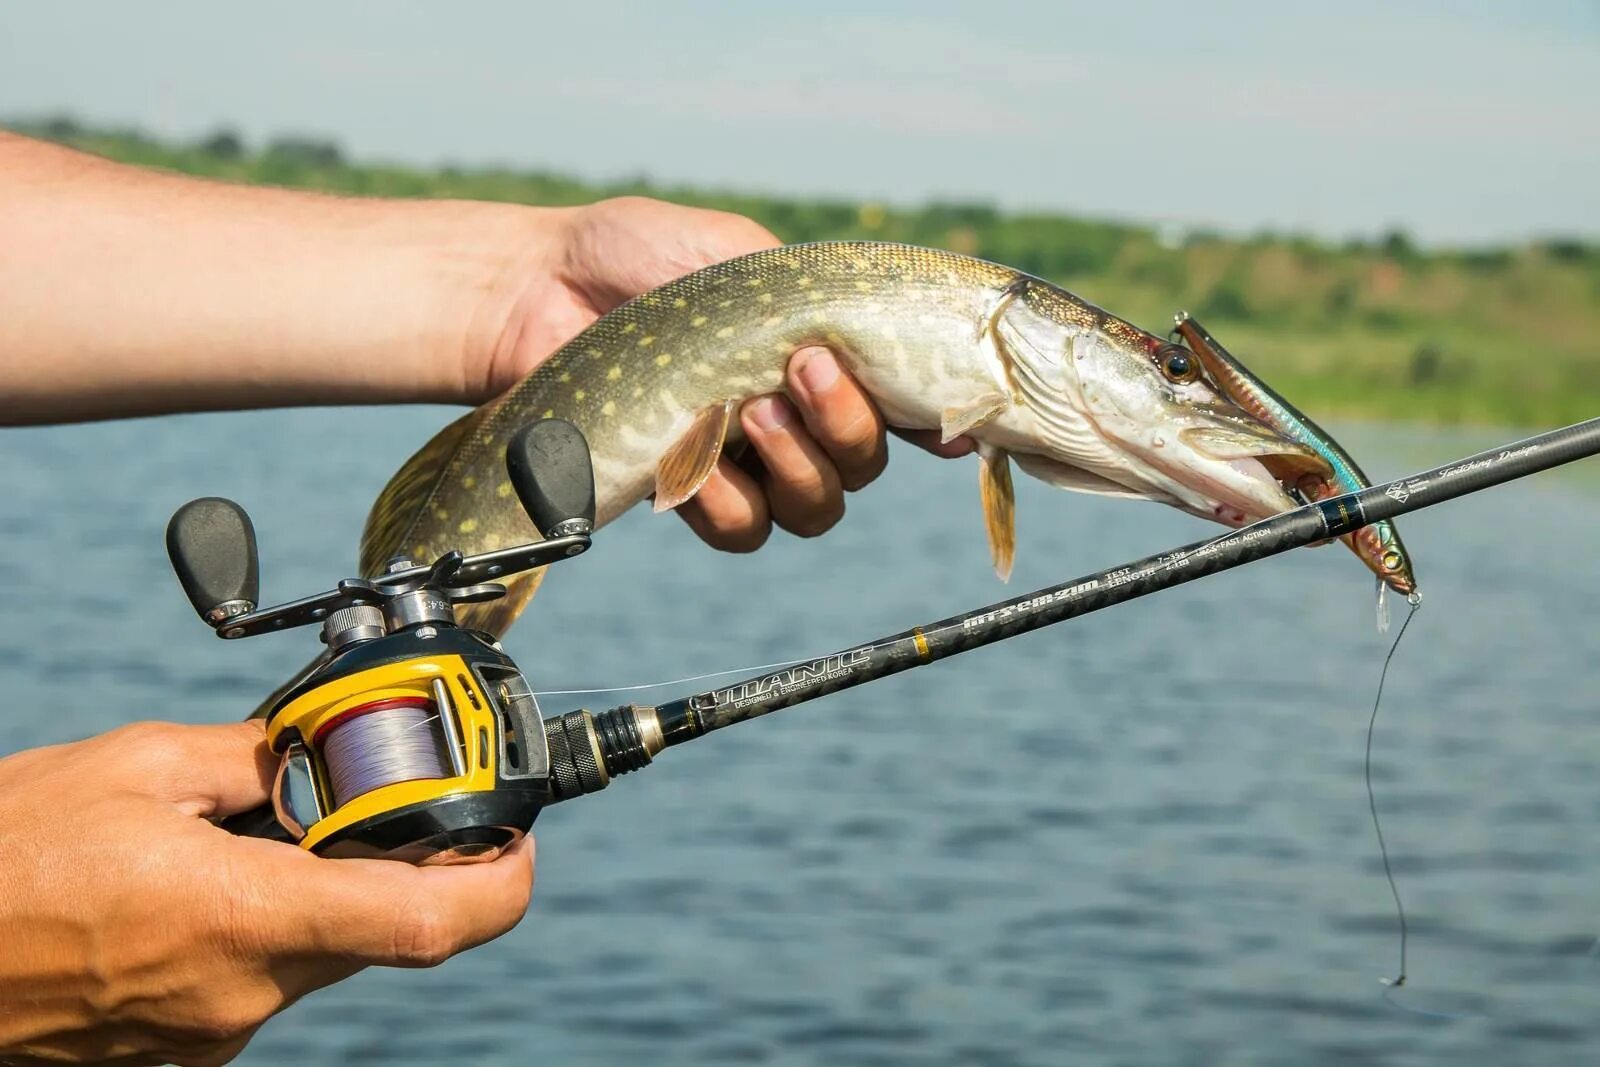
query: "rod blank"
690, 717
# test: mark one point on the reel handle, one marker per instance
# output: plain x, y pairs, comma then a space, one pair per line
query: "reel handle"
212, 546
551, 470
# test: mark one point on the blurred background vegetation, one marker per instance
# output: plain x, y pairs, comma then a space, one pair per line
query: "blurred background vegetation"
1365, 329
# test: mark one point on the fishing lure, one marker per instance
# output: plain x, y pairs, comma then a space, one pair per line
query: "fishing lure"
1379, 545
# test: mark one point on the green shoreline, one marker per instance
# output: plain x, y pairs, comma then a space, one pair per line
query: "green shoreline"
1379, 330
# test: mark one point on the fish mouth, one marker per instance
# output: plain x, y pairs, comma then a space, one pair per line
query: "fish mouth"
1244, 469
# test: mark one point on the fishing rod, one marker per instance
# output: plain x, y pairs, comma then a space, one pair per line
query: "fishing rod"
418, 740
631, 735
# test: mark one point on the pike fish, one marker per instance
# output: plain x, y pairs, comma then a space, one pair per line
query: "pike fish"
1378, 545
1077, 397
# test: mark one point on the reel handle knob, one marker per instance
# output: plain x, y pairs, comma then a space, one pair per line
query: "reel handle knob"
550, 469
212, 545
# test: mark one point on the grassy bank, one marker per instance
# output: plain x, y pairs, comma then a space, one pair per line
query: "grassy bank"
1376, 329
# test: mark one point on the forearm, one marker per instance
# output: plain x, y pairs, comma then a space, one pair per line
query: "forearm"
130, 292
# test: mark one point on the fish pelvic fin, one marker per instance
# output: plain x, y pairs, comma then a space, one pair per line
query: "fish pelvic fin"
999, 508
396, 514
496, 616
690, 461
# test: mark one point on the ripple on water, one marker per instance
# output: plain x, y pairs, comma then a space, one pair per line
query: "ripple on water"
1504, 861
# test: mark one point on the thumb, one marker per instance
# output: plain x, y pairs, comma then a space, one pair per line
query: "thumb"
388, 913
206, 771
626, 246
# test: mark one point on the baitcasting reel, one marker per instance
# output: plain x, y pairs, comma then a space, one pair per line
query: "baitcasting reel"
412, 738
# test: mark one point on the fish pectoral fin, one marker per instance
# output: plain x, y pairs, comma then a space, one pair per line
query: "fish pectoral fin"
1066, 476
953, 422
999, 508
690, 461
991, 347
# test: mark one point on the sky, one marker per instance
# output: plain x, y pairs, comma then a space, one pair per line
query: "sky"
1463, 123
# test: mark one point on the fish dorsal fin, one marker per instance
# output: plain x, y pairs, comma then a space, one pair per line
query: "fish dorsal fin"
954, 422
999, 507
1064, 476
692, 458
394, 515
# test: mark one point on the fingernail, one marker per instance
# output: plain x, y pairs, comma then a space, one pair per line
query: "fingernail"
819, 372
768, 413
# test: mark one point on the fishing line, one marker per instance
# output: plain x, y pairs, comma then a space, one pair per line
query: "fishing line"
1372, 800
670, 681
752, 669
686, 718
1395, 983
1415, 600
1193, 549
690, 678
381, 747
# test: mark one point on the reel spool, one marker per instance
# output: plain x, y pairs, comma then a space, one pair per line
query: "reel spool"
410, 738
382, 743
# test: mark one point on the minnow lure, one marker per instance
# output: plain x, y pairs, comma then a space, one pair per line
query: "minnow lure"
1379, 545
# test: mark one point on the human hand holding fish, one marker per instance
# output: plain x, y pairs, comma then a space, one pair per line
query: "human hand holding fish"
819, 437
209, 296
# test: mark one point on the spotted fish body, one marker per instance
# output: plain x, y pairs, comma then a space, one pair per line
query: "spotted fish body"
938, 340
635, 380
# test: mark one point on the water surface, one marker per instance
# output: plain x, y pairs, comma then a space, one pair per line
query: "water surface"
1140, 837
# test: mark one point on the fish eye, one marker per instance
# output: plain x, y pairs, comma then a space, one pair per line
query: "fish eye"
1391, 560
1177, 364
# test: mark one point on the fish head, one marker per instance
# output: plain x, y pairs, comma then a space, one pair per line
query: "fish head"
1216, 459
1159, 426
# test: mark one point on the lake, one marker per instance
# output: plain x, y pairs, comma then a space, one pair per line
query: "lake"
1138, 837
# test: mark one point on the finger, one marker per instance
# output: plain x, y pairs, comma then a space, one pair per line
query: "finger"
730, 510
802, 484
840, 415
206, 771
385, 913
929, 441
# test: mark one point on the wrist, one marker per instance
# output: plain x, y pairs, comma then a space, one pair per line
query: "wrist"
477, 263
